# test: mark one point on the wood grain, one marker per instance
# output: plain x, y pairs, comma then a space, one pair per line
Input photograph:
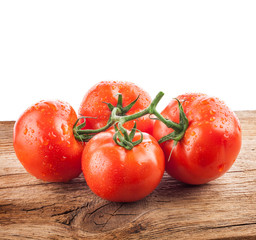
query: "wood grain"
222, 209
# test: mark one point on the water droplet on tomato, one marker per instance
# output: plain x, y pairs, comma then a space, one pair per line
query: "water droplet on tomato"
62, 107
36, 106
44, 141
51, 134
54, 107
193, 133
64, 129
205, 102
25, 131
220, 167
212, 112
226, 135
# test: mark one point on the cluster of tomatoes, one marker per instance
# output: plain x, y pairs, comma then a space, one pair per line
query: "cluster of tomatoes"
45, 143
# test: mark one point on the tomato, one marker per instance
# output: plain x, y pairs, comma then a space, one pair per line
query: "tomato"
211, 142
44, 143
121, 175
94, 104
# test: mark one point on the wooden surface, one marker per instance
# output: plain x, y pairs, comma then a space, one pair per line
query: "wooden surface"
222, 209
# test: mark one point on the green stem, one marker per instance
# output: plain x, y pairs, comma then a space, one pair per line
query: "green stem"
170, 124
127, 118
94, 131
113, 119
151, 109
155, 101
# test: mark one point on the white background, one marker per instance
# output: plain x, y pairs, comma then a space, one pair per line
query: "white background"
59, 49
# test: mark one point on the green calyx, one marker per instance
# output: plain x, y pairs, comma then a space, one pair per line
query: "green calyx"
122, 110
123, 139
178, 134
118, 117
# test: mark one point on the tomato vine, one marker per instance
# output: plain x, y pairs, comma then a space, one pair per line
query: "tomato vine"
118, 117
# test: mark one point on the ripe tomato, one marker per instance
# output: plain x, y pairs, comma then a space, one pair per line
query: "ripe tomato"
211, 143
121, 175
107, 91
44, 143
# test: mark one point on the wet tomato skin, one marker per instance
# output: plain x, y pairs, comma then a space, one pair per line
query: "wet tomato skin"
44, 143
94, 104
121, 175
211, 143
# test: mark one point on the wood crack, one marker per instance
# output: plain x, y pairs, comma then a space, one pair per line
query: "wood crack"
27, 185
111, 215
73, 214
232, 225
13, 174
38, 208
98, 208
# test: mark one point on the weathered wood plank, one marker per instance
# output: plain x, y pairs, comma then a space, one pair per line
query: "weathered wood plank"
222, 209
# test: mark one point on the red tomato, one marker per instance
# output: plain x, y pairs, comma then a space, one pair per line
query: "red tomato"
121, 175
44, 141
107, 91
211, 143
